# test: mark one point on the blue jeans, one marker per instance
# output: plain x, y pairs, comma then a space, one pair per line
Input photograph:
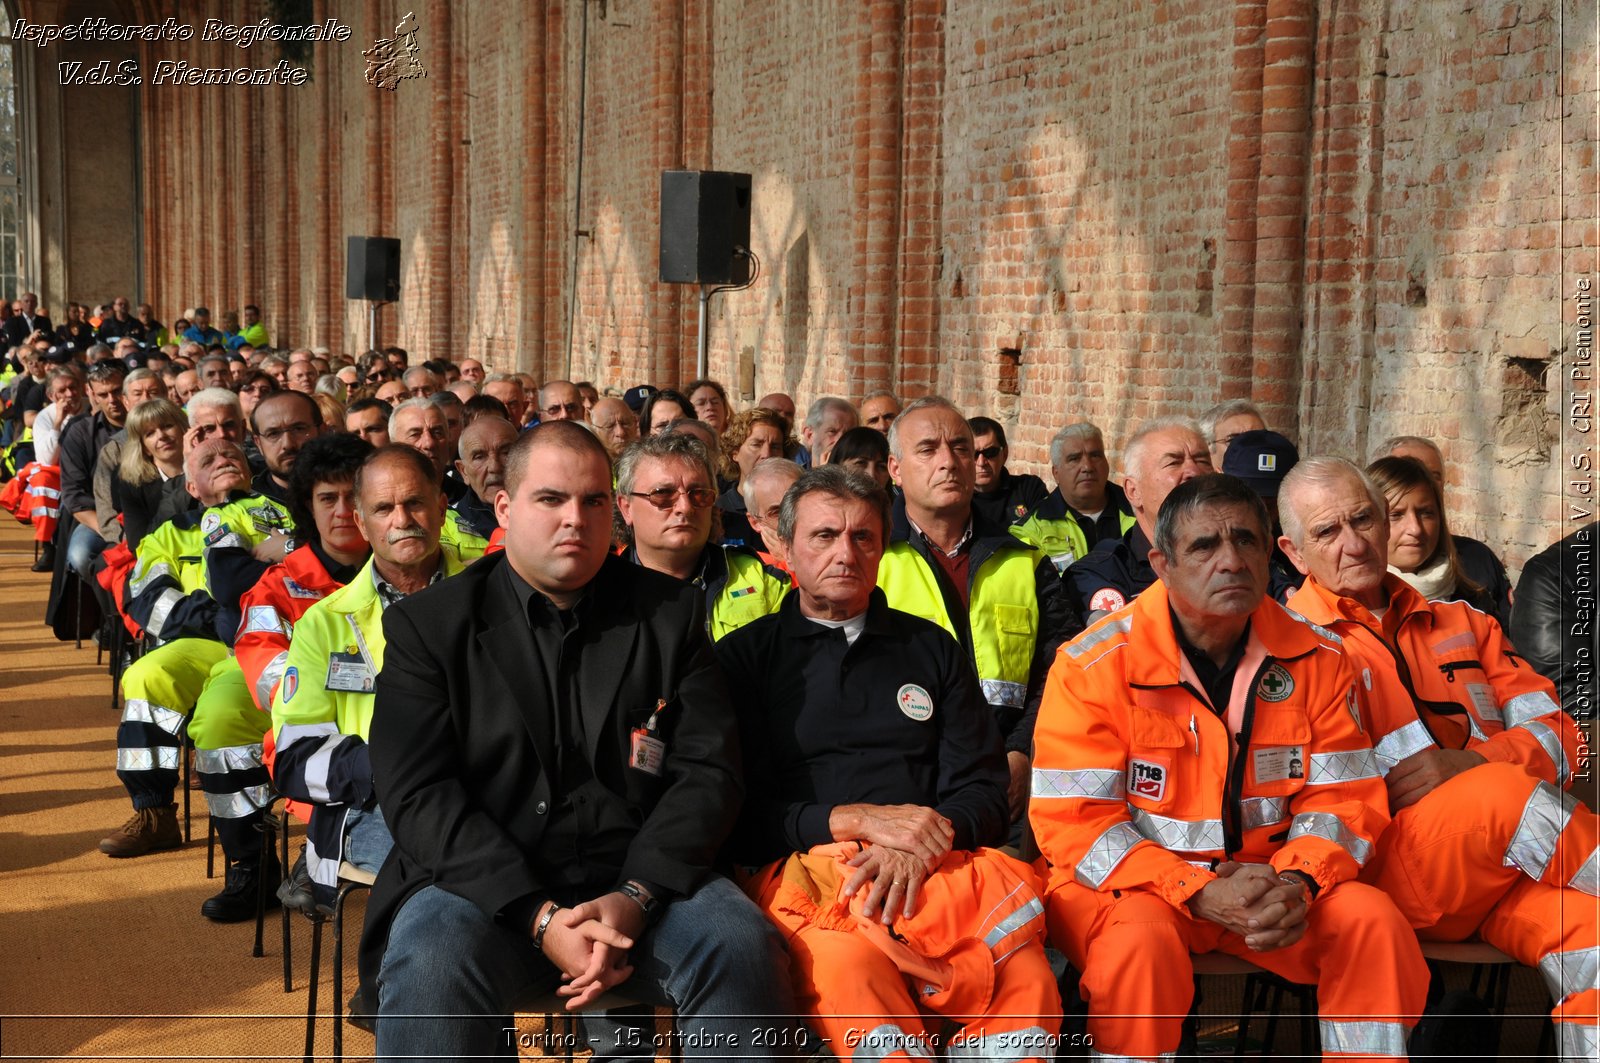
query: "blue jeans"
84, 546
712, 957
367, 840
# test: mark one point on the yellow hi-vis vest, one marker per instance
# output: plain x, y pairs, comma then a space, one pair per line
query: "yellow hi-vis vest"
1002, 615
748, 592
1058, 535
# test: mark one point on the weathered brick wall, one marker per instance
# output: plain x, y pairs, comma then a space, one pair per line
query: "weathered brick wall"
1352, 213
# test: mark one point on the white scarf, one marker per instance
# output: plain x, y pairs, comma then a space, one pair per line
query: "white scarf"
1434, 581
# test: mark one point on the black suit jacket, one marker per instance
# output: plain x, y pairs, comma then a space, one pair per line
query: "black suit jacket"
17, 330
462, 740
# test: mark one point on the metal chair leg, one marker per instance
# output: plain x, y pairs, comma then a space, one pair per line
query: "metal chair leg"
211, 847
283, 855
267, 827
184, 746
338, 971
77, 624
311, 991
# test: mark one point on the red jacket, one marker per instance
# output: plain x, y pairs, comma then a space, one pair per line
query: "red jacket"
268, 612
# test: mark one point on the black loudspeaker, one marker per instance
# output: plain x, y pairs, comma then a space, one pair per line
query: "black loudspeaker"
372, 270
705, 215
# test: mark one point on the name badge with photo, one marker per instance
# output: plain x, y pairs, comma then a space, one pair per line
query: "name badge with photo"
1277, 763
349, 673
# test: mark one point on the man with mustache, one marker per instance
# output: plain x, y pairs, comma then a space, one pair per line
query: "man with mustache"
665, 491
997, 596
1167, 800
322, 709
168, 597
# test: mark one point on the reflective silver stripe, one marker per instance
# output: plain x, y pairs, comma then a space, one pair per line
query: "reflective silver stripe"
1106, 852
1476, 731
1184, 835
239, 804
323, 870
1263, 811
1331, 828
316, 770
270, 675
1012, 1046
1531, 706
229, 758
1349, 766
260, 619
1318, 628
881, 1041
1018, 919
42, 491
1003, 692
1587, 878
1095, 636
1552, 747
1570, 972
1363, 1038
1091, 784
147, 759
141, 580
1544, 817
1401, 743
138, 710
1105, 1057
1576, 1040
161, 610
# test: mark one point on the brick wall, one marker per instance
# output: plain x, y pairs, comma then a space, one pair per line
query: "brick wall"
1353, 213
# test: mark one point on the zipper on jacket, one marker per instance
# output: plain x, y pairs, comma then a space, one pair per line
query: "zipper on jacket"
1418, 702
1232, 801
1450, 668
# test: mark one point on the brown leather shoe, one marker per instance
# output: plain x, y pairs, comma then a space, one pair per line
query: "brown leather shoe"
147, 830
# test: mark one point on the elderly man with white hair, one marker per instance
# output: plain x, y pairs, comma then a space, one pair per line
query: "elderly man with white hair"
1162, 454
1085, 508
1476, 755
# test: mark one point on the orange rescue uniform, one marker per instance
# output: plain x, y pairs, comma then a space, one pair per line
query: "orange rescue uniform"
1140, 787
969, 953
268, 613
1499, 850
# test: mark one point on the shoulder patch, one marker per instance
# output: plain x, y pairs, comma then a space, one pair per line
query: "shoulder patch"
1108, 598
1276, 685
291, 683
297, 591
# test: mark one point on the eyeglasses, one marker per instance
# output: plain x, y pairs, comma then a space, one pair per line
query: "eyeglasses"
572, 408
989, 453
667, 497
275, 435
378, 376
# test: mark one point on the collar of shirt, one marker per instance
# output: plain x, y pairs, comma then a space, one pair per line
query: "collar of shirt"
961, 544
539, 609
1218, 680
797, 625
343, 573
387, 595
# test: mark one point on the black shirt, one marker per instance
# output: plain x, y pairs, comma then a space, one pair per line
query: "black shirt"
896, 718
264, 484
1217, 680
1011, 500
590, 829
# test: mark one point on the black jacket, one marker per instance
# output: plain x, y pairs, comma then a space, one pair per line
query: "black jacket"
462, 743
1012, 500
896, 718
1553, 620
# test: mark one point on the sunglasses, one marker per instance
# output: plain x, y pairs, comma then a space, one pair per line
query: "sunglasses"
988, 453
667, 497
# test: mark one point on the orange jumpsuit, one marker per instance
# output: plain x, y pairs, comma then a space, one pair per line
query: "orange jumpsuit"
970, 954
1140, 787
268, 612
34, 497
1500, 850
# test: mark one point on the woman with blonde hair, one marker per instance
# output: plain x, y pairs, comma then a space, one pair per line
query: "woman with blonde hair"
148, 485
1421, 549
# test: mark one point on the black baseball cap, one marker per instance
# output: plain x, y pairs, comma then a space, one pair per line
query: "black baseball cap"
637, 396
1261, 459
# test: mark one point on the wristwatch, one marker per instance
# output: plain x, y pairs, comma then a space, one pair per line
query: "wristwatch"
634, 892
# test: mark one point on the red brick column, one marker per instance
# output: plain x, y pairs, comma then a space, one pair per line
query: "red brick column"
1237, 295
916, 358
667, 301
437, 297
876, 174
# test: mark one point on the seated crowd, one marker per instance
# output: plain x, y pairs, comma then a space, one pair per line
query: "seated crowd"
830, 734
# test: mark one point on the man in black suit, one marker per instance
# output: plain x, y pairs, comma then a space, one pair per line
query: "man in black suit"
26, 322
556, 756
